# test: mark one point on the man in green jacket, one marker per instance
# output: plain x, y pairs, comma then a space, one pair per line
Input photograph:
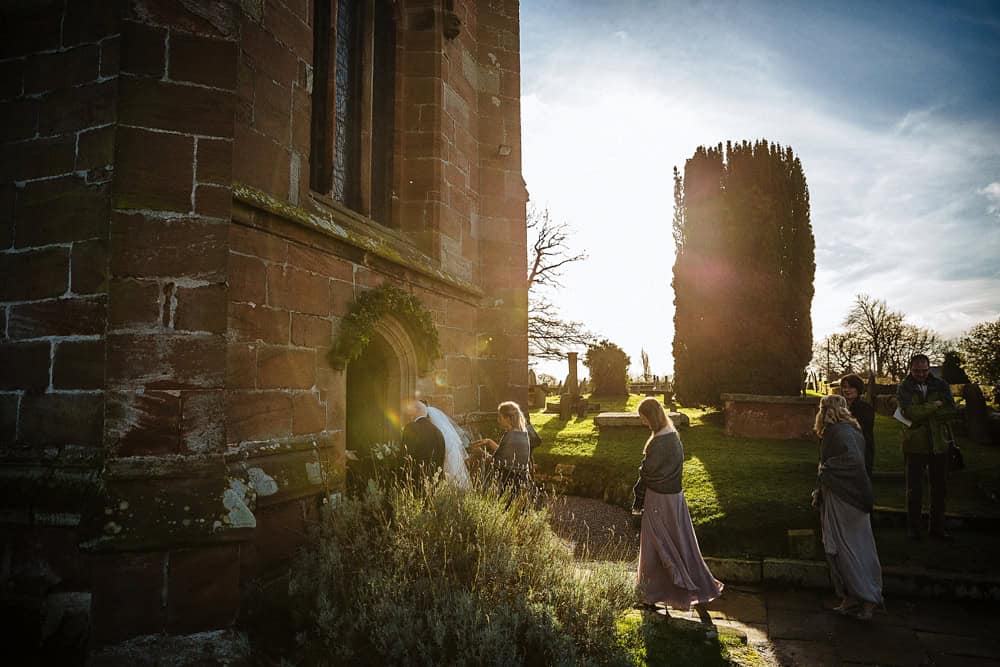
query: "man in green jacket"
927, 402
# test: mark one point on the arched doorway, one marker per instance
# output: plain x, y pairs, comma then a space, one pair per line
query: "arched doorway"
379, 380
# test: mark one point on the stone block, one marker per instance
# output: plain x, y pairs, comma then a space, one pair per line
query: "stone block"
802, 543
203, 60
128, 595
268, 56
213, 201
284, 368
78, 365
215, 161
203, 588
168, 106
89, 267
241, 366
154, 170
11, 79
260, 415
60, 210
247, 279
777, 417
272, 109
143, 49
258, 243
18, 120
62, 419
164, 361
308, 413
89, 21
62, 69
258, 323
261, 163
734, 570
811, 574
298, 291
289, 29
201, 308
25, 366
153, 247
310, 331
111, 57
202, 425
144, 424
9, 404
317, 261
58, 317
134, 303
73, 109
37, 158
34, 27
96, 148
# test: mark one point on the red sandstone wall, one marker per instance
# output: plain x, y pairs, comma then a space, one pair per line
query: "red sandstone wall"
59, 64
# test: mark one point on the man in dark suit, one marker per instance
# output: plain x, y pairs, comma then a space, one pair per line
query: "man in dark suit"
422, 441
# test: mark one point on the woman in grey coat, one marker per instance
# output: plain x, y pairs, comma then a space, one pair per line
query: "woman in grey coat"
844, 498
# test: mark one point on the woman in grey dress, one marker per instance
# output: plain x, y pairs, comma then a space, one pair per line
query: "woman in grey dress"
844, 498
510, 459
671, 569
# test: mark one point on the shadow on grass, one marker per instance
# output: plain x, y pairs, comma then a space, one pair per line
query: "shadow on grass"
654, 639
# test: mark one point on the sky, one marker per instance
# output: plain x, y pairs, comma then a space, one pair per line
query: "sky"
893, 108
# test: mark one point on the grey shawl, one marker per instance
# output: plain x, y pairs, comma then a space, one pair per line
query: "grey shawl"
842, 465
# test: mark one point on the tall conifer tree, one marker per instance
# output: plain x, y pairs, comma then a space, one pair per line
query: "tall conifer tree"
743, 277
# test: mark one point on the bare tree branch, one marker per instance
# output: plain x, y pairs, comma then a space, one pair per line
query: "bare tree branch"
549, 252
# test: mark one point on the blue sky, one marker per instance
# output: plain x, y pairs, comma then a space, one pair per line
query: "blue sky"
893, 107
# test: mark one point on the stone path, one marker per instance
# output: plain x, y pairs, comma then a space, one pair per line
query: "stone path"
799, 626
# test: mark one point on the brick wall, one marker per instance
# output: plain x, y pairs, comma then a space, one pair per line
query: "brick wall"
59, 74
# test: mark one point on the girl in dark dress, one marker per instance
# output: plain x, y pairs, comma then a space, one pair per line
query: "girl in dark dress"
671, 569
510, 459
851, 388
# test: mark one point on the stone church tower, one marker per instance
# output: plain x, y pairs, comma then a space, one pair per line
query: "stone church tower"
194, 196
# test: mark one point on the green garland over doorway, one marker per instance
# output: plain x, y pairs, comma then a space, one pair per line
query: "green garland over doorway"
357, 327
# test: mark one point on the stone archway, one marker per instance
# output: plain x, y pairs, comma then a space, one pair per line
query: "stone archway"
378, 381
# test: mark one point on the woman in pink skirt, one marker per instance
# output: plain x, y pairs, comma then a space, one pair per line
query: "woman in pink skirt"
671, 569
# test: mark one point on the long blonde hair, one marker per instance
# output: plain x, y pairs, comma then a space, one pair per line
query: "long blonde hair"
512, 412
653, 411
832, 410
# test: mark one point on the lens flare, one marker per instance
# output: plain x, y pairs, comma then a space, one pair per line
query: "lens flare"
441, 379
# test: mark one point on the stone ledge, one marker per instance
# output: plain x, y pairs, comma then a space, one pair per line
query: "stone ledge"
354, 230
221, 647
895, 580
761, 398
633, 420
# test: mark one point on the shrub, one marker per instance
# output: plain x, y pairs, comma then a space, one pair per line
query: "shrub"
439, 575
608, 365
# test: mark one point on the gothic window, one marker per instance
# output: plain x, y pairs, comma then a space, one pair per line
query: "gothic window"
353, 123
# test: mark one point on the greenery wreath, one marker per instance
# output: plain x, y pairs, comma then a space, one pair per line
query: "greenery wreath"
357, 326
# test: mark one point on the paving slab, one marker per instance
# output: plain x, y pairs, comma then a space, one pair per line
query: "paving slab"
862, 642
796, 653
788, 598
974, 647
739, 605
815, 625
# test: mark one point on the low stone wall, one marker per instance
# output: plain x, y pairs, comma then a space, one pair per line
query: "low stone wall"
633, 420
775, 417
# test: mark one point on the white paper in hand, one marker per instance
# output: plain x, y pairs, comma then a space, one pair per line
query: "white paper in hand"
898, 416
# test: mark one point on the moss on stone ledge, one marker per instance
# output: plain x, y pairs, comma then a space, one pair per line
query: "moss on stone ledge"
383, 247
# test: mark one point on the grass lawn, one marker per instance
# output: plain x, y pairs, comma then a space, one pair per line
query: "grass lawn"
745, 493
656, 641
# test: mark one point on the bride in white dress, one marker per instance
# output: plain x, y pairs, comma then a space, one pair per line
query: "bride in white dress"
454, 448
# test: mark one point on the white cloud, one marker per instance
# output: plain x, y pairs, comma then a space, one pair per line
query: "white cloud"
992, 194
